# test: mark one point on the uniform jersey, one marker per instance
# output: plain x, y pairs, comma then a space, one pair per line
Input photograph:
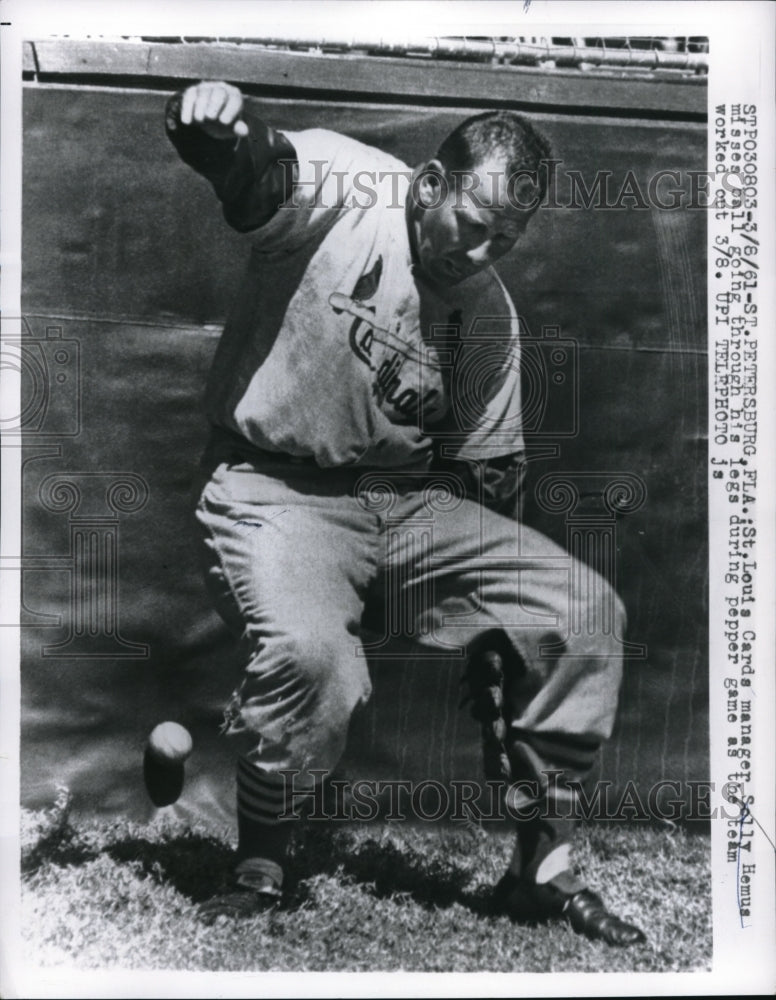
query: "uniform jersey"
335, 350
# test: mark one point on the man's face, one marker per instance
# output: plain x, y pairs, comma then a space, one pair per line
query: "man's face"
464, 224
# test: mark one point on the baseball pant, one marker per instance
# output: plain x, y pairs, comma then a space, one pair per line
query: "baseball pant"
298, 558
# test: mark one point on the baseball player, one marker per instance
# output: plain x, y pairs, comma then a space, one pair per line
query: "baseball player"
364, 466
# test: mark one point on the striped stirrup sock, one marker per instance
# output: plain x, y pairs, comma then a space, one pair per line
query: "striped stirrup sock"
260, 803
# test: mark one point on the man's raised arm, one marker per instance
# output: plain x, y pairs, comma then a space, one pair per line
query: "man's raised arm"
251, 166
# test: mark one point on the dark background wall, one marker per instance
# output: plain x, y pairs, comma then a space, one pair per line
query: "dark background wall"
129, 268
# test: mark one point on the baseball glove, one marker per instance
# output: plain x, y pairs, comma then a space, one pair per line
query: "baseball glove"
485, 682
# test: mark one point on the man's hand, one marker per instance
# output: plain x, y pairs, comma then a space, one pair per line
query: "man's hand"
207, 123
216, 107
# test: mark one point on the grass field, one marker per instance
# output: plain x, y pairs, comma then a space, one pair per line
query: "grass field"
363, 898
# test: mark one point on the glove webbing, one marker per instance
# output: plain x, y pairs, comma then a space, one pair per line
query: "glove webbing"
485, 681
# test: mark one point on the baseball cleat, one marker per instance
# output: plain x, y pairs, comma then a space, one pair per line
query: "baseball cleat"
258, 888
583, 910
587, 914
240, 904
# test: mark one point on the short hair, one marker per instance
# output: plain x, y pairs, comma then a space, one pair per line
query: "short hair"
503, 135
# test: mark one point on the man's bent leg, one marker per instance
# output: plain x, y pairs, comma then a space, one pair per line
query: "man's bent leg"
501, 587
288, 574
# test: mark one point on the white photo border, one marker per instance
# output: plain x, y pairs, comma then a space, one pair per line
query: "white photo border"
741, 37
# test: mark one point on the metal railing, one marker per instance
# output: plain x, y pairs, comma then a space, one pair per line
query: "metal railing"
642, 53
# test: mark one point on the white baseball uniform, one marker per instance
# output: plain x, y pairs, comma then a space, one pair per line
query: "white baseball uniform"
339, 376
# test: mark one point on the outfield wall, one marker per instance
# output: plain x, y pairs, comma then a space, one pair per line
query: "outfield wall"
128, 264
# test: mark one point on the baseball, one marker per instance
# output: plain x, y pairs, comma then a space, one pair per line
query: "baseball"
170, 742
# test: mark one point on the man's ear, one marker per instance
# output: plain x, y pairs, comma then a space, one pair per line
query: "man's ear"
431, 187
